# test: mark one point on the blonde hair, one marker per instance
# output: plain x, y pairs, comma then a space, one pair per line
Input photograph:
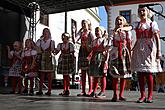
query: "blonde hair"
18, 43
149, 12
124, 21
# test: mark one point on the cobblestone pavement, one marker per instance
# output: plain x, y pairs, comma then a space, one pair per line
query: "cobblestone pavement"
55, 102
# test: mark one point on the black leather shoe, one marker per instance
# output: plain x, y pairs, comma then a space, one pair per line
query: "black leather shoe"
48, 93
39, 93
141, 100
122, 99
114, 99
12, 92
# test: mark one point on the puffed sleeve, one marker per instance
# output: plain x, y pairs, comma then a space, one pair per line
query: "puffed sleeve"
129, 36
59, 46
135, 24
92, 36
38, 42
53, 45
71, 47
155, 27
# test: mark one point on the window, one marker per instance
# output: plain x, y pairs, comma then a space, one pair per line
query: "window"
44, 19
127, 15
73, 29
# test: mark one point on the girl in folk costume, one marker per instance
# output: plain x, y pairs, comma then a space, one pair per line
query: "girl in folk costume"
119, 63
15, 67
146, 52
99, 61
29, 65
66, 62
86, 38
47, 46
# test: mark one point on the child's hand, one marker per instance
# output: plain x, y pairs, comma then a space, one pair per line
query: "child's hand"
8, 48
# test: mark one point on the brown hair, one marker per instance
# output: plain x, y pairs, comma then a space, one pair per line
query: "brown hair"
44, 31
33, 45
65, 35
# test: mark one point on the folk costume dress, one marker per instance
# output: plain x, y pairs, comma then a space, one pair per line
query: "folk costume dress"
85, 48
66, 61
119, 63
98, 57
46, 54
16, 64
15, 71
29, 65
144, 51
46, 65
29, 69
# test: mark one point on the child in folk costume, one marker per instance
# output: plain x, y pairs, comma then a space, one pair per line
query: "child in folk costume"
29, 65
86, 38
66, 62
47, 46
146, 53
99, 62
15, 67
119, 63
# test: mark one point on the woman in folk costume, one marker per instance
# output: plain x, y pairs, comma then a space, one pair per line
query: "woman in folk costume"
15, 67
119, 63
66, 62
29, 65
86, 38
146, 53
99, 62
47, 46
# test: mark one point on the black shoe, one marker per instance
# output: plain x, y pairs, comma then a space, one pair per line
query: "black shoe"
31, 92
141, 100
114, 99
48, 93
93, 94
66, 93
161, 90
25, 92
19, 92
100, 95
39, 93
149, 101
122, 99
12, 92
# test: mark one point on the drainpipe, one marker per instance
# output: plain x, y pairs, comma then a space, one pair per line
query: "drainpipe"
66, 21
109, 20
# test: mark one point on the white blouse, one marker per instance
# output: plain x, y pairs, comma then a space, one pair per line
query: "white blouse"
29, 53
45, 44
